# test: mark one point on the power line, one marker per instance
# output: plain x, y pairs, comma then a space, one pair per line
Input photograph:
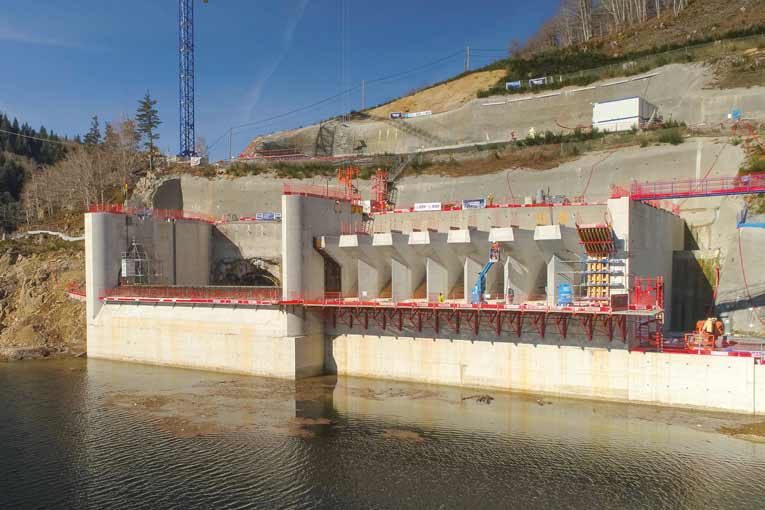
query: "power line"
36, 138
425, 66
338, 96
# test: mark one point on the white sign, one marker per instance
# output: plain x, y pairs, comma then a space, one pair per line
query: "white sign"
428, 206
476, 203
366, 206
537, 81
418, 114
195, 161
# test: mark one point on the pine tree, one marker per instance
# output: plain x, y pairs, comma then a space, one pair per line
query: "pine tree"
93, 137
111, 138
147, 120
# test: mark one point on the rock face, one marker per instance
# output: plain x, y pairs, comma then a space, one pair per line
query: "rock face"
37, 318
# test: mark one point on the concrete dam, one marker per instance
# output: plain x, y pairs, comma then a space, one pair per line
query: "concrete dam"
329, 290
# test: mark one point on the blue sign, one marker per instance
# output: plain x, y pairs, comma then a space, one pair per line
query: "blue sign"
513, 85
475, 203
268, 216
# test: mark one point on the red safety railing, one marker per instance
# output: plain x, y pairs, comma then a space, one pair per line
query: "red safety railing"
646, 293
75, 289
164, 214
318, 191
192, 294
741, 184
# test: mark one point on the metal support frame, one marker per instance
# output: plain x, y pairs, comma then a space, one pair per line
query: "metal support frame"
419, 319
561, 324
588, 324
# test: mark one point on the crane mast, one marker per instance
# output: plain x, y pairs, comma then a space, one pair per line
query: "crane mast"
186, 77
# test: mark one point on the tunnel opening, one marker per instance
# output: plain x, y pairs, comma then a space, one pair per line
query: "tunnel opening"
246, 273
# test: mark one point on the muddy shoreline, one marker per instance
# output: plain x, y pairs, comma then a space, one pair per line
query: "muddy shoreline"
13, 354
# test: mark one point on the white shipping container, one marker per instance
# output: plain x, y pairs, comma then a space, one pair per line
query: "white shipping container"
622, 114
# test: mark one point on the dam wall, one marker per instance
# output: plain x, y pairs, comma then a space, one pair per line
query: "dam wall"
252, 341
720, 383
243, 340
178, 251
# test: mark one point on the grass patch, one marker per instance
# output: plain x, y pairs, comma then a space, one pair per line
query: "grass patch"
755, 164
670, 135
283, 170
580, 66
40, 245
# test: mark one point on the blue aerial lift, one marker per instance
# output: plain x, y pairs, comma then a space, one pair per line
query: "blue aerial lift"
477, 295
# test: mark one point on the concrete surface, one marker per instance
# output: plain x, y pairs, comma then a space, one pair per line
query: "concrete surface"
228, 339
704, 382
680, 91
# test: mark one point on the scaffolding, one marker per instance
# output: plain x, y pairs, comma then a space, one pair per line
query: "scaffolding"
597, 271
135, 265
380, 190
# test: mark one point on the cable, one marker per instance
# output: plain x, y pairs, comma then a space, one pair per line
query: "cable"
36, 138
743, 275
592, 170
333, 97
425, 66
709, 170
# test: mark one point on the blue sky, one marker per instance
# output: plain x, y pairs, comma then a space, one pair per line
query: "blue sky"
65, 61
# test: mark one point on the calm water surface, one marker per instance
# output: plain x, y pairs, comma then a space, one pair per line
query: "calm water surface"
97, 434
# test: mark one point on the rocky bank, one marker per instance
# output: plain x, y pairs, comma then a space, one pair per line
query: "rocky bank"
37, 317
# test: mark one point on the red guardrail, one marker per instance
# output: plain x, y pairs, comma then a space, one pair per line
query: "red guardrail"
243, 295
741, 184
76, 291
318, 191
646, 293
164, 214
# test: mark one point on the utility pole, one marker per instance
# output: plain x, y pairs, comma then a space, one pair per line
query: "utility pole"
230, 143
363, 95
467, 59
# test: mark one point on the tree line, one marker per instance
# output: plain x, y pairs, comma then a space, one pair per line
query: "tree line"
98, 167
579, 21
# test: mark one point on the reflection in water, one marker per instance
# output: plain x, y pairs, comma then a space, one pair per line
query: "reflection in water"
78, 434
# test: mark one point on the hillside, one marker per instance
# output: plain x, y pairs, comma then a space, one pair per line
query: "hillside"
37, 319
443, 97
700, 20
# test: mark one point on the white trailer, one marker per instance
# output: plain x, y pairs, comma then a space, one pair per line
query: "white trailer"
622, 114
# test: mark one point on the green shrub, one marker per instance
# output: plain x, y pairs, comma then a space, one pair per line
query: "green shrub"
756, 165
673, 124
671, 135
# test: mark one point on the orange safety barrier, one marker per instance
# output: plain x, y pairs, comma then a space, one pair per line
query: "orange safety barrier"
646, 293
165, 214
318, 191
193, 294
75, 289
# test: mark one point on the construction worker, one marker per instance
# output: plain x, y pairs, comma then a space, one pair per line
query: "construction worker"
490, 199
441, 297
